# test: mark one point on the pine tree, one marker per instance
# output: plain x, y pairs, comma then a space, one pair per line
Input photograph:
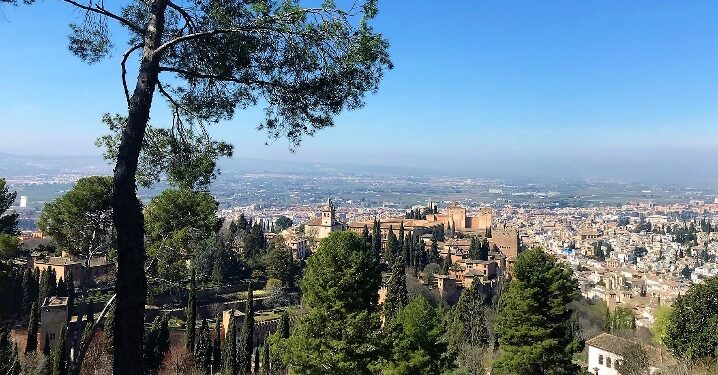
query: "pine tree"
468, 316
191, 315
396, 294
229, 350
32, 328
247, 338
536, 333
58, 361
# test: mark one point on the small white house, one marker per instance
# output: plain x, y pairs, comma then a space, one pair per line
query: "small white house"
605, 355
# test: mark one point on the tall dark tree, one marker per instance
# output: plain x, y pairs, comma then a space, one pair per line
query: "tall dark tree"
191, 314
468, 319
376, 238
156, 344
396, 294
9, 363
44, 287
32, 329
305, 65
365, 234
61, 288
8, 220
216, 350
203, 351
536, 332
58, 360
30, 290
229, 349
256, 360
266, 361
246, 344
283, 325
391, 248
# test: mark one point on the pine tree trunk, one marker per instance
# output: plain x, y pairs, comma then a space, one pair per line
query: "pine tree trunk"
127, 211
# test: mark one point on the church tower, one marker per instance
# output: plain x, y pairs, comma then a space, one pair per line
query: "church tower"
328, 214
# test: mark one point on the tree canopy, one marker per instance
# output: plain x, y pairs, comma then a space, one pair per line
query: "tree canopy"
536, 332
340, 286
692, 331
80, 221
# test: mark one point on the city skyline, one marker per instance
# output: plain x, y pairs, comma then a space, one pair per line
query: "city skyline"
615, 90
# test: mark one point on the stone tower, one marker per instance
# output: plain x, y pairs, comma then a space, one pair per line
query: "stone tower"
328, 214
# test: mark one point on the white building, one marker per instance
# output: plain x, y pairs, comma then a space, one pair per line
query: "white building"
605, 355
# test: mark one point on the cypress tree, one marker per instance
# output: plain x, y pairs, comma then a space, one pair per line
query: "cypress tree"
44, 290
32, 328
216, 350
247, 339
191, 315
52, 281
484, 250
61, 289
396, 294
284, 325
58, 362
203, 352
89, 315
229, 350
256, 360
376, 238
447, 262
46, 345
365, 234
70, 286
401, 233
28, 291
266, 361
390, 250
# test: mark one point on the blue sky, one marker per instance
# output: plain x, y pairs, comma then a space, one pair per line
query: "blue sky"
587, 88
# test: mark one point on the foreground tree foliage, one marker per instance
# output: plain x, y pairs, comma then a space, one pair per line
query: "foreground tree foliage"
536, 332
9, 243
206, 58
341, 290
176, 222
416, 335
692, 331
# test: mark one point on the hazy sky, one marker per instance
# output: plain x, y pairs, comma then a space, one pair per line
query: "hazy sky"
627, 89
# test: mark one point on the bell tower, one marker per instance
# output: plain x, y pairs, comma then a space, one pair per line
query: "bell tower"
328, 214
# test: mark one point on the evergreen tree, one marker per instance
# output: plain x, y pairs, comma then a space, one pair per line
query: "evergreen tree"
376, 238
247, 339
474, 249
340, 292
89, 314
6, 349
156, 344
70, 287
468, 319
283, 325
365, 234
203, 351
396, 294
401, 234
417, 344
61, 289
484, 250
46, 346
390, 249
191, 315
29, 294
447, 262
216, 350
32, 328
229, 350
266, 361
52, 282
434, 253
406, 251
8, 219
44, 290
58, 361
256, 360
536, 332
